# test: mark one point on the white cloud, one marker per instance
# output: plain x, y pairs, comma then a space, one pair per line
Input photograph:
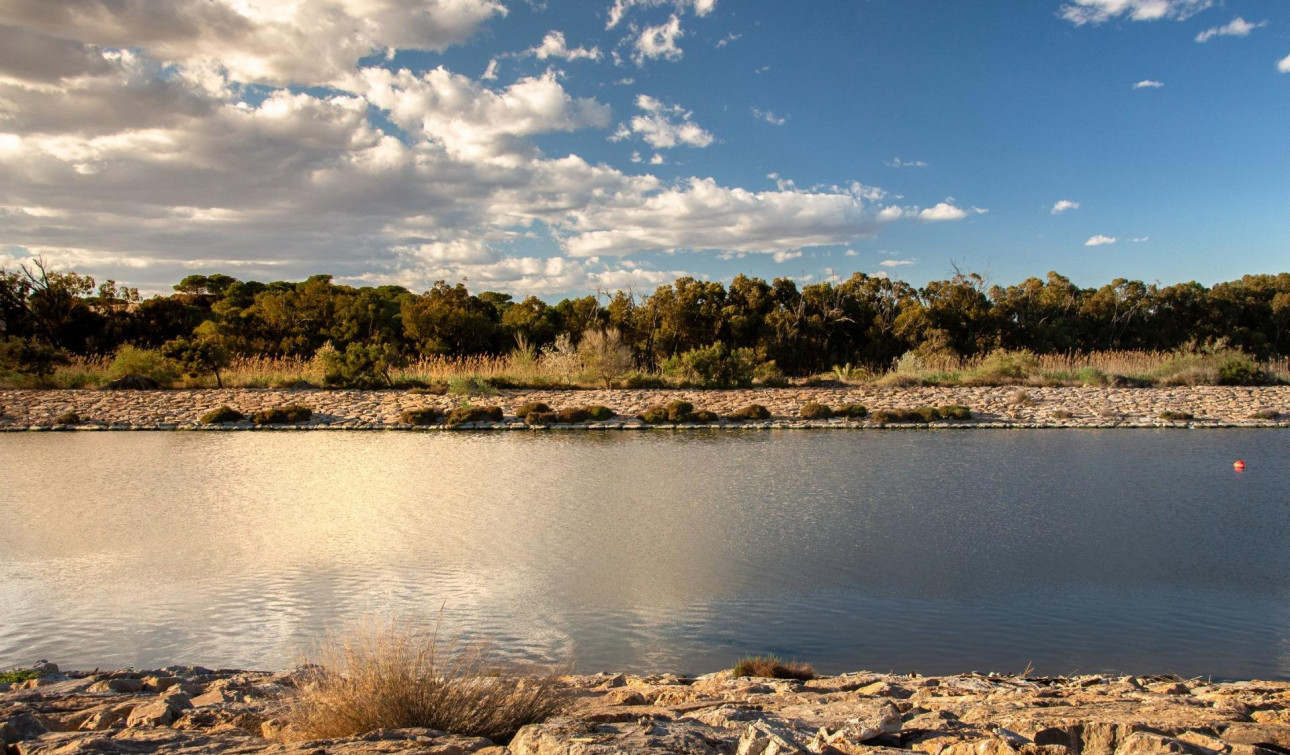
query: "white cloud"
769, 117
731, 37
621, 7
945, 211
1148, 84
1284, 65
554, 46
274, 42
1141, 239
1237, 27
1100, 240
1063, 205
1082, 12
490, 73
850, 253
663, 126
897, 263
896, 162
659, 41
786, 256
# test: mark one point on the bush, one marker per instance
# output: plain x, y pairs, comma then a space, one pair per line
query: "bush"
1173, 416
147, 363
601, 413
68, 418
715, 366
292, 414
654, 415
604, 356
705, 417
471, 385
749, 413
389, 677
18, 675
362, 366
770, 667
197, 357
1020, 397
524, 410
573, 416
770, 375
1265, 414
1091, 376
29, 356
222, 415
541, 418
463, 414
1002, 367
1239, 369
852, 411
680, 411
434, 389
954, 411
644, 380
815, 410
427, 415
917, 414
1061, 414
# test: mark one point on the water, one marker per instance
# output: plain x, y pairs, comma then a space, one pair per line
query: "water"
1128, 550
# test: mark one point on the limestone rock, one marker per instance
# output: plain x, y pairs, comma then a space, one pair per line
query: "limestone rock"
124, 685
765, 738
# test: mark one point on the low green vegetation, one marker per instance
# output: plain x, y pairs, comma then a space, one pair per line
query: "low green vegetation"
68, 418
771, 667
222, 415
467, 413
750, 413
921, 414
18, 675
532, 407
427, 415
1176, 416
852, 411
678, 412
815, 410
292, 414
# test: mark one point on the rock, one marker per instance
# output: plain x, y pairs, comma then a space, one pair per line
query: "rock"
1149, 743
571, 737
161, 712
159, 683
21, 725
45, 668
617, 680
214, 697
125, 685
100, 721
765, 738
625, 696
1259, 734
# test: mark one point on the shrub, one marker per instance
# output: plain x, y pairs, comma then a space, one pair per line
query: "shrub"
524, 410
427, 415
1061, 414
705, 417
1091, 376
197, 357
130, 360
1239, 369
852, 411
292, 414
770, 375
363, 366
222, 415
434, 389
389, 677
715, 366
815, 410
749, 413
463, 414
601, 413
573, 416
1020, 397
29, 356
18, 675
471, 385
1001, 367
680, 411
541, 418
68, 418
604, 356
644, 380
654, 415
1265, 414
770, 667
954, 411
918, 414
1173, 416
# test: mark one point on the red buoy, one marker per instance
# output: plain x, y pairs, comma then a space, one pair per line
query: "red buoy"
1239, 465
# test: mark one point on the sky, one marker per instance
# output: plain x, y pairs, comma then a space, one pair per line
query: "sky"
561, 148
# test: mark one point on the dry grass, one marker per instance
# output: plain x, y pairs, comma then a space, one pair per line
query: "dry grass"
388, 676
770, 667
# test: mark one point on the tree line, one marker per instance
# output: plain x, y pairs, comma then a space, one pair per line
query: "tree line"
864, 320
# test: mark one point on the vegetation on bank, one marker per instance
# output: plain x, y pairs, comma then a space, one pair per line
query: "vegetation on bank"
386, 676
18, 675
62, 330
771, 667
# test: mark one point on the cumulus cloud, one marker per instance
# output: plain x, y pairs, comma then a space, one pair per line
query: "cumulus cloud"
1082, 12
769, 117
274, 42
620, 8
943, 212
655, 42
663, 126
1063, 205
1100, 240
897, 263
554, 46
1237, 27
896, 162
1148, 84
1284, 65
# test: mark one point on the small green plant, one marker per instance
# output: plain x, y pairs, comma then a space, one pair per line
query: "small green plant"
815, 410
18, 675
852, 411
954, 412
750, 413
222, 415
292, 414
524, 410
426, 415
130, 360
771, 667
601, 413
463, 414
68, 418
917, 414
1176, 416
846, 372
471, 385
1092, 376
770, 375
705, 417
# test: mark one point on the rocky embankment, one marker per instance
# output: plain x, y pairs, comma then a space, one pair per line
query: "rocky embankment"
195, 711
1209, 406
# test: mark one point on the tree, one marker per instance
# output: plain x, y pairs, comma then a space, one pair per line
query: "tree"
603, 354
362, 365
197, 357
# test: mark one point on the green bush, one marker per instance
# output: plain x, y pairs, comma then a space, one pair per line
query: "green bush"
524, 410
954, 411
680, 411
541, 418
752, 412
18, 675
639, 380
361, 365
471, 385
815, 410
292, 414
601, 413
1092, 376
68, 418
573, 416
654, 415
715, 366
770, 375
1173, 416
1001, 367
29, 356
463, 414
705, 417
852, 411
434, 389
917, 414
222, 415
130, 360
1240, 369
197, 357
427, 415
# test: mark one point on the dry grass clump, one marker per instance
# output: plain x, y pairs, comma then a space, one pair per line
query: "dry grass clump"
426, 415
1265, 414
1061, 414
386, 676
1020, 397
291, 414
463, 414
770, 667
815, 410
222, 415
1176, 416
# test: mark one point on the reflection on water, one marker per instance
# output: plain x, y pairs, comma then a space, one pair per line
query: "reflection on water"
936, 551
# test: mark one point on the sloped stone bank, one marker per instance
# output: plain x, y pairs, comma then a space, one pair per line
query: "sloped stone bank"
992, 407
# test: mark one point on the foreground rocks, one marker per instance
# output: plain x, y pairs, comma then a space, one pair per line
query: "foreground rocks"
185, 710
1211, 406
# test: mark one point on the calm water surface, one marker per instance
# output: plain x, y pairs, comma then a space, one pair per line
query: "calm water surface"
1126, 550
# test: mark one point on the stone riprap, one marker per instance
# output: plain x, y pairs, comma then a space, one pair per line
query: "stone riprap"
196, 711
1211, 406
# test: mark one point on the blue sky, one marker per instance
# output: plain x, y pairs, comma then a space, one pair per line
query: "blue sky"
557, 148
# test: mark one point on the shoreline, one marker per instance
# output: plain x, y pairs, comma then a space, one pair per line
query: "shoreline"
994, 407
185, 710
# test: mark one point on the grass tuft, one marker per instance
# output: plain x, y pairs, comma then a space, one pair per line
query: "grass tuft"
222, 415
815, 410
422, 417
770, 667
291, 414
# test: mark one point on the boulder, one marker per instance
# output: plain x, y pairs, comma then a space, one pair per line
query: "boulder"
765, 738
124, 685
20, 725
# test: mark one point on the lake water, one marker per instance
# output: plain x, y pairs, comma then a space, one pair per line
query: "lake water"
936, 551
